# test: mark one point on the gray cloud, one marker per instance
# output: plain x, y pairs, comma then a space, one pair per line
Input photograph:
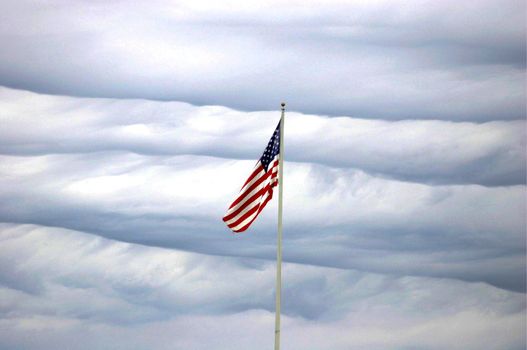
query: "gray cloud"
161, 174
436, 152
102, 292
384, 60
404, 182
333, 217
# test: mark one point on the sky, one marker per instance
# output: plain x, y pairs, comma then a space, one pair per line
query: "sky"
127, 128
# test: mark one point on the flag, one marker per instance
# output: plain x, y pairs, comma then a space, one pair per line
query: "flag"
257, 190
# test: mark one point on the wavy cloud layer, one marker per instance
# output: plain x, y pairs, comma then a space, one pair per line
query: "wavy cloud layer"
384, 59
162, 174
75, 291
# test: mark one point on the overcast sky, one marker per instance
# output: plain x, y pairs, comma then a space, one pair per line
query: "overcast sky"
126, 129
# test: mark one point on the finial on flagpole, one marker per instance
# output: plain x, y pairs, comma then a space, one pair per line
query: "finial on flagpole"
283, 105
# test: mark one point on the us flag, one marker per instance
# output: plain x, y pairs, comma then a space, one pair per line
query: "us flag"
257, 190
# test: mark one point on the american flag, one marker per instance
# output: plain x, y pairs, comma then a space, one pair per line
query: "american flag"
257, 190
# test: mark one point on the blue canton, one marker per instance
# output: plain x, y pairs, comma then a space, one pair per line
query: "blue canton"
272, 149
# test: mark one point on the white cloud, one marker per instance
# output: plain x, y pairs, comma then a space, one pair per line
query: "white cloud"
404, 230
178, 202
428, 151
103, 293
384, 59
162, 174
201, 186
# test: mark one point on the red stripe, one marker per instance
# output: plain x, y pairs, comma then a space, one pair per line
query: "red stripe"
249, 189
252, 198
260, 167
246, 204
252, 187
269, 189
245, 216
254, 173
257, 171
256, 199
259, 210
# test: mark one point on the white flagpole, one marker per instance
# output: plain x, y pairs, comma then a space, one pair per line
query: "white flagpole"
279, 244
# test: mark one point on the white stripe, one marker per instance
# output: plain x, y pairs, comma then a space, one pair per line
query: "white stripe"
247, 196
249, 205
257, 200
245, 210
255, 178
270, 181
246, 221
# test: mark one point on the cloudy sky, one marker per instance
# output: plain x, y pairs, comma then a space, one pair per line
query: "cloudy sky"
127, 128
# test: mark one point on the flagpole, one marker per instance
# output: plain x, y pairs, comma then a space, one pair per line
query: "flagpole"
279, 243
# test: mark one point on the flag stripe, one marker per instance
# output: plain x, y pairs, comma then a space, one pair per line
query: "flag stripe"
257, 169
257, 190
244, 224
245, 218
254, 200
251, 204
245, 212
256, 176
267, 199
249, 192
256, 197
